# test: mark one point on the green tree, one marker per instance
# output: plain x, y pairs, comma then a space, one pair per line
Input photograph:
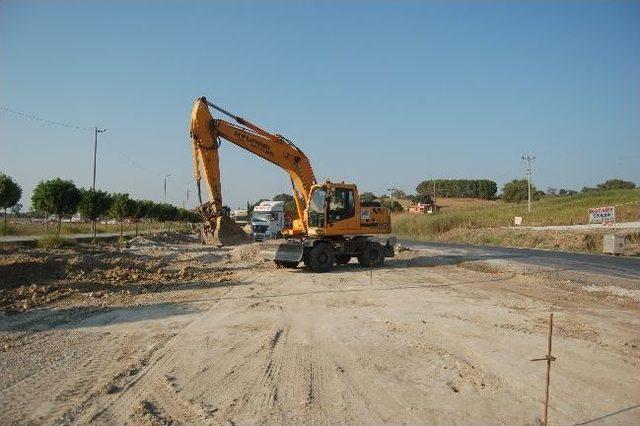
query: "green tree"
56, 196
516, 191
93, 204
140, 209
289, 203
147, 207
399, 194
421, 198
10, 193
163, 212
394, 206
368, 196
615, 184
187, 216
458, 188
121, 208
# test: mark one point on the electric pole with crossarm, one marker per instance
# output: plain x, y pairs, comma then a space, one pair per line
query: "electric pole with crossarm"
529, 170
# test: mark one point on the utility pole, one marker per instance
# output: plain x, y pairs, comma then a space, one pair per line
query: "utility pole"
529, 171
165, 187
95, 150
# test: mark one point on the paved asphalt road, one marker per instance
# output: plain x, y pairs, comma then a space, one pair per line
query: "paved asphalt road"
615, 266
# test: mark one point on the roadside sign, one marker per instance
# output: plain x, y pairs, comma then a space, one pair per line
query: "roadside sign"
517, 221
602, 215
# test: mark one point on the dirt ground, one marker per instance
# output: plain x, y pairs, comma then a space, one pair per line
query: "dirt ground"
168, 331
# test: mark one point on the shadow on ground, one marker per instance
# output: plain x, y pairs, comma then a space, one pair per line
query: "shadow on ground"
91, 316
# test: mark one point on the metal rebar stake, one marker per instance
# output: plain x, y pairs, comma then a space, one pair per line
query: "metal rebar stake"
547, 358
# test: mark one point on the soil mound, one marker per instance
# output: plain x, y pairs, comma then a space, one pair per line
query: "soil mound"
227, 233
163, 238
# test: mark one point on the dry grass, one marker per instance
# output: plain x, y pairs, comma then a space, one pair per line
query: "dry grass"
24, 227
477, 223
454, 204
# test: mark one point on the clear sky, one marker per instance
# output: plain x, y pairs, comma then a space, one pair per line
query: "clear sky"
378, 93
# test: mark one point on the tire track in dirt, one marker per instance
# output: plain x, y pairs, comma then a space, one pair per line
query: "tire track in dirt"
148, 386
62, 382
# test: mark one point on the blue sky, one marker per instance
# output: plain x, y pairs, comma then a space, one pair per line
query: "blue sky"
378, 93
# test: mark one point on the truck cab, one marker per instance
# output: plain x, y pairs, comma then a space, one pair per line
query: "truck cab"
267, 220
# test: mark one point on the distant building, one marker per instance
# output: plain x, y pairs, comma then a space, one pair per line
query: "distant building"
422, 208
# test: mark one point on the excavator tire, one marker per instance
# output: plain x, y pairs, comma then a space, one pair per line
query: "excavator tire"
321, 257
372, 256
342, 259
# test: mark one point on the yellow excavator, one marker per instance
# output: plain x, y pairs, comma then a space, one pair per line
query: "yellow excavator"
332, 225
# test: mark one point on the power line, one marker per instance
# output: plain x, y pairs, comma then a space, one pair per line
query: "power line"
124, 156
42, 120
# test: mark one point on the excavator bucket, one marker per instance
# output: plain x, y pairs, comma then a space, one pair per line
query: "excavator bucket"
225, 233
289, 252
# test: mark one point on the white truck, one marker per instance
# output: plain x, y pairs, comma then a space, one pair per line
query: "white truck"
241, 216
267, 220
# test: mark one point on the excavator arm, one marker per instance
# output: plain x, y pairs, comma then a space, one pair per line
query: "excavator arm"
205, 136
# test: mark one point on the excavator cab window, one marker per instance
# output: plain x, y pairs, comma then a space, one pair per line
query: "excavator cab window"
341, 204
317, 208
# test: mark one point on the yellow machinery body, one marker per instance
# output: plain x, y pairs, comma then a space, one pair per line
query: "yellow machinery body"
330, 214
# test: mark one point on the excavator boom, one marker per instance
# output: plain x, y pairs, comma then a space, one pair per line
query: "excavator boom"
205, 135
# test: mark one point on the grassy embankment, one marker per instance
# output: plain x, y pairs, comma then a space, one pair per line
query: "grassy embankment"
24, 227
485, 222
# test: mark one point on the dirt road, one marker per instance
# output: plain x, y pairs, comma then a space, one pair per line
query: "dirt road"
235, 340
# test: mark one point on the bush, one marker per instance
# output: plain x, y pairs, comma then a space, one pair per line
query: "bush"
7, 230
367, 197
615, 184
517, 191
394, 206
52, 241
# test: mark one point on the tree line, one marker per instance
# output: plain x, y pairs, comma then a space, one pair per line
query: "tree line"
459, 188
64, 199
514, 191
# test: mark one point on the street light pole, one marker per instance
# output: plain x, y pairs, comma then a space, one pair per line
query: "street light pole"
186, 203
165, 187
529, 171
95, 150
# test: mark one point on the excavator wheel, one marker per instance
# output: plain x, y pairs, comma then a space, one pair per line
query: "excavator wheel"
342, 259
373, 255
321, 257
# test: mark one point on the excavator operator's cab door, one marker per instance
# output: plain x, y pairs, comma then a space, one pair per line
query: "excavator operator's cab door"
341, 210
